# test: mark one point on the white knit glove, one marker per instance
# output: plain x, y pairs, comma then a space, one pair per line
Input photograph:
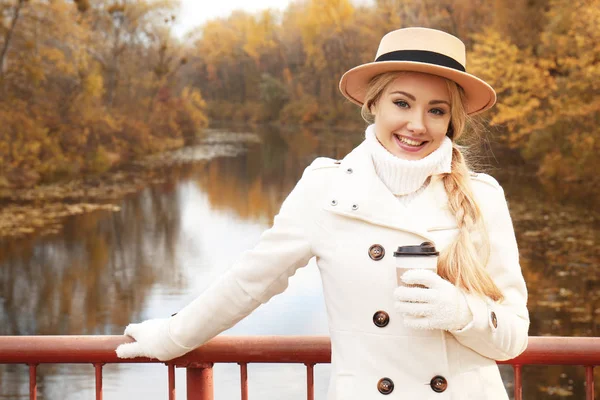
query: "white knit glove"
439, 306
152, 340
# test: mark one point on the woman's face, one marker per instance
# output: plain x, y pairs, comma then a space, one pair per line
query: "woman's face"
412, 115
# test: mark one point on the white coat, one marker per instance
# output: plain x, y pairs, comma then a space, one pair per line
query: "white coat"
336, 212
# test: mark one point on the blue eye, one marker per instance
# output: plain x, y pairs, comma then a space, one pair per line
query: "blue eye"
438, 111
401, 103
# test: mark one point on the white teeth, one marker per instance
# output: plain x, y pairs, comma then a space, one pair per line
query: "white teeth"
409, 141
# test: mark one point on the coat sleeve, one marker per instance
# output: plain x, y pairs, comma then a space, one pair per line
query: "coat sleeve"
258, 275
499, 330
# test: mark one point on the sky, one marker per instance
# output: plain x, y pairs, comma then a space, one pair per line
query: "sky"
195, 12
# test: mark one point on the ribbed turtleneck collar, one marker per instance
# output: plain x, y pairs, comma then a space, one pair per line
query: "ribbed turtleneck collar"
401, 176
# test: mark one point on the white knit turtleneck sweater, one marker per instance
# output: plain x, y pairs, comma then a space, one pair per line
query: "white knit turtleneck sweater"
406, 179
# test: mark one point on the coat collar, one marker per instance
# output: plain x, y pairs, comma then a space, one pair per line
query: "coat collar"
358, 192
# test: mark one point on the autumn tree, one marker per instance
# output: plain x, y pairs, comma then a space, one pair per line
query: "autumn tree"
87, 84
549, 95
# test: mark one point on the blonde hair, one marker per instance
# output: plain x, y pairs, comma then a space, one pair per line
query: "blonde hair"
463, 261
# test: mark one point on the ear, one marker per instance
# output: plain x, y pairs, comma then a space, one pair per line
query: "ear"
373, 108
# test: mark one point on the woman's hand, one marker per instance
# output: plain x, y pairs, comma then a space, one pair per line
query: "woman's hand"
152, 340
440, 305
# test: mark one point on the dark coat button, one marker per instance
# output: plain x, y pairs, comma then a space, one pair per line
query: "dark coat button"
385, 386
381, 319
494, 319
438, 384
376, 252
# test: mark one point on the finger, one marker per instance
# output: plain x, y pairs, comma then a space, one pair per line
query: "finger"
415, 295
130, 350
417, 322
421, 276
413, 309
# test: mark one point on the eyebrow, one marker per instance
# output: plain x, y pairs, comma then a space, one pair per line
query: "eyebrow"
413, 98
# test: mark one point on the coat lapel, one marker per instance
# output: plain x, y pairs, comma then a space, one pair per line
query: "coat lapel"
358, 192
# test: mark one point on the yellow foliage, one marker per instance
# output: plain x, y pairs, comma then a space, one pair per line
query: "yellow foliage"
260, 34
79, 91
322, 21
218, 39
194, 106
522, 85
93, 85
549, 94
58, 60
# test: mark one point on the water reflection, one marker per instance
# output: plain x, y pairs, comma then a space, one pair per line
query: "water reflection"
94, 277
169, 242
255, 183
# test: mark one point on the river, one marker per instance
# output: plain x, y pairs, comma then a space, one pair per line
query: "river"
169, 241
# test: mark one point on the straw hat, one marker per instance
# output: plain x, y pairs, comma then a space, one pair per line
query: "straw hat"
420, 50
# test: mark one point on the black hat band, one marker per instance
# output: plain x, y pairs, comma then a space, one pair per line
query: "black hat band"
422, 56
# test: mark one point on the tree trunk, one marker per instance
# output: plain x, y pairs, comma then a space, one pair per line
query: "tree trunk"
8, 37
113, 72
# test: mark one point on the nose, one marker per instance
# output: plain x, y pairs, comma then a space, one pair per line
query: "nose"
416, 123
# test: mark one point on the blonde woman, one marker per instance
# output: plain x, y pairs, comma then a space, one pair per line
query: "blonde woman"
434, 336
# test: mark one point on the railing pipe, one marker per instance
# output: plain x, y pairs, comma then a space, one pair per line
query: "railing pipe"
309, 350
222, 349
546, 350
257, 349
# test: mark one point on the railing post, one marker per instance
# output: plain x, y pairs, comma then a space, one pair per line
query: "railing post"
518, 382
171, 374
98, 373
589, 382
244, 380
32, 381
310, 382
199, 379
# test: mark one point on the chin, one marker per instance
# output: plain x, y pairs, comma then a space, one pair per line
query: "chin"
406, 155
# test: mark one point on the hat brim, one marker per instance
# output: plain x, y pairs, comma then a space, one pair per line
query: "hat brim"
480, 95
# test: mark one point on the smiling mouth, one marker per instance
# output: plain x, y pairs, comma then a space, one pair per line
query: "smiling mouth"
409, 142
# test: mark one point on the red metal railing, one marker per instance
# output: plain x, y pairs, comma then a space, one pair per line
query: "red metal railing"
308, 350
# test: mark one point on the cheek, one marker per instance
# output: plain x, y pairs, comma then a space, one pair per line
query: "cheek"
383, 128
391, 122
439, 128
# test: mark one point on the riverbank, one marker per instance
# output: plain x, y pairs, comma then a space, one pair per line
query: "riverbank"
41, 210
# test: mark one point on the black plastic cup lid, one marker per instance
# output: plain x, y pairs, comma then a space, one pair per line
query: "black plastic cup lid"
424, 249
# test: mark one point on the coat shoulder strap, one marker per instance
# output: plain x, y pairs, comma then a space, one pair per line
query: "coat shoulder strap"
324, 162
485, 178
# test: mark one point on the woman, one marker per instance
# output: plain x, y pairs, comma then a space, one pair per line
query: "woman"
405, 184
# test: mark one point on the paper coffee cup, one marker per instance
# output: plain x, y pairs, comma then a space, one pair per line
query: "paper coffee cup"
423, 256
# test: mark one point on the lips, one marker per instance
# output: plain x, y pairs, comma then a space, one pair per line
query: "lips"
409, 144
